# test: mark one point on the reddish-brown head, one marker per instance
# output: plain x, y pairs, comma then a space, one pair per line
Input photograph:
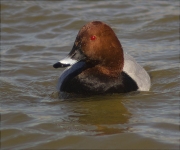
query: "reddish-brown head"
99, 43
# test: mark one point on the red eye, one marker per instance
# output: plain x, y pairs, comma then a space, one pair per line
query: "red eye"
93, 37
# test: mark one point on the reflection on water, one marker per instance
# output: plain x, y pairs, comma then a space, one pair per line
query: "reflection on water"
102, 113
36, 34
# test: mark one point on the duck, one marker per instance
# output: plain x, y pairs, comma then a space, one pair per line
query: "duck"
97, 64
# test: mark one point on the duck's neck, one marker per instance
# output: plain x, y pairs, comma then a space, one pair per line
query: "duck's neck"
113, 67
109, 71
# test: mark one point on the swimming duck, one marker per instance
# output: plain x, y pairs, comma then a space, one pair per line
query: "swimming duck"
97, 64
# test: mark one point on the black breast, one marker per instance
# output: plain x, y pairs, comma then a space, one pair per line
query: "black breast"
92, 84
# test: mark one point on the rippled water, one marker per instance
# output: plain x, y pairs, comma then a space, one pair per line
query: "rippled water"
36, 34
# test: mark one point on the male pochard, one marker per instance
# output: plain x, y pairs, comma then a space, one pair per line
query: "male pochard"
96, 64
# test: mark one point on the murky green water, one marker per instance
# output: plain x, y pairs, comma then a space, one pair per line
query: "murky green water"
36, 34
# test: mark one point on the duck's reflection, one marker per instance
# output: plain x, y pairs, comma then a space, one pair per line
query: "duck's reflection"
106, 113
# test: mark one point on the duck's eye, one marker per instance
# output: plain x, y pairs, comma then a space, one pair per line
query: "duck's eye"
93, 37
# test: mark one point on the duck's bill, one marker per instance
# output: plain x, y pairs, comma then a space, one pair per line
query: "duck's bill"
74, 56
65, 62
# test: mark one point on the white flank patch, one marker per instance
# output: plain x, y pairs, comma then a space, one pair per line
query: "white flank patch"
137, 73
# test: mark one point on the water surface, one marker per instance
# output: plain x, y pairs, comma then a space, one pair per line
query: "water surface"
36, 34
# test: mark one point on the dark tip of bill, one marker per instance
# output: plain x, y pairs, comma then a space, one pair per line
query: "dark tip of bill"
60, 65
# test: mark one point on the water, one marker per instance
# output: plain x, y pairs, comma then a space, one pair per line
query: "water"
36, 34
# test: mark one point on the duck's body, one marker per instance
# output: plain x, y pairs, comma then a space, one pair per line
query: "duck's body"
98, 64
